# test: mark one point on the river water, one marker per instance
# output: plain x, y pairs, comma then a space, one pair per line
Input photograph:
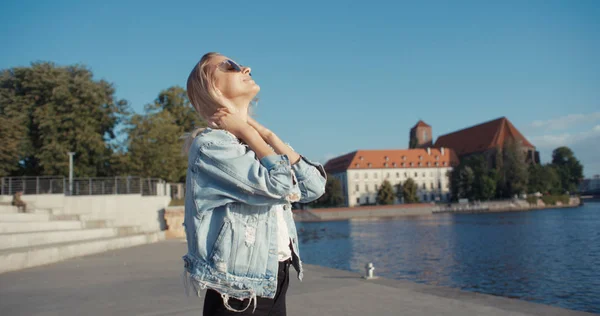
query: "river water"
548, 256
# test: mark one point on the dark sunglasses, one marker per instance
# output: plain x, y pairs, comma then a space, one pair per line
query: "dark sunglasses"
229, 65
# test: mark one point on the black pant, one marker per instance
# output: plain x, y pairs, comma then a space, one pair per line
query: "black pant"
213, 303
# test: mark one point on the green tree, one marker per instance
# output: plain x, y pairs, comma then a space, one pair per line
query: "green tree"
409, 191
49, 110
513, 173
12, 129
385, 194
155, 147
333, 196
175, 101
473, 179
570, 170
461, 181
486, 185
544, 179
399, 192
155, 138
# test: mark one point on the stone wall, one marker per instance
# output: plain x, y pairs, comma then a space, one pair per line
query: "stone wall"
146, 212
174, 217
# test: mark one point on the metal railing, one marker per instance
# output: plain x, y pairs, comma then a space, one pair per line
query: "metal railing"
84, 186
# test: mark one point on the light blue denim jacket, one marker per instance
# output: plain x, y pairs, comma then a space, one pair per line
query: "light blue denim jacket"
230, 219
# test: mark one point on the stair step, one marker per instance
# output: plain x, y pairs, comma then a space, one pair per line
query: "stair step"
9, 209
65, 217
99, 223
24, 217
31, 239
127, 230
23, 227
21, 258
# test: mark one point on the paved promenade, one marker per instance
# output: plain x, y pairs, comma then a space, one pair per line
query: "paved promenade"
145, 280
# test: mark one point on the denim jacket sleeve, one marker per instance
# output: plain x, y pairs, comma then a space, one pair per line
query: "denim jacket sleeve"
311, 179
244, 178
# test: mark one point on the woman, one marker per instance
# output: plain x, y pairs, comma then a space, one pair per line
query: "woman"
241, 180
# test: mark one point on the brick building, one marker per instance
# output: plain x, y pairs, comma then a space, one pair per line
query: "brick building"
487, 138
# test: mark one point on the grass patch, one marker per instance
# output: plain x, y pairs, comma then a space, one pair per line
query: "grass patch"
177, 202
553, 199
532, 199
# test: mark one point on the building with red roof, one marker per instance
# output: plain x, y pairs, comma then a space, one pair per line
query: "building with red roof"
487, 138
362, 172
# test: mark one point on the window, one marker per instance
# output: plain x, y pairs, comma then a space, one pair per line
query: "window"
369, 165
361, 158
424, 186
386, 158
439, 185
357, 165
432, 197
416, 175
437, 157
403, 164
428, 164
367, 187
367, 200
436, 164
411, 164
420, 157
387, 176
445, 163
357, 200
366, 176
398, 174
431, 185
385, 164
394, 164
424, 135
406, 174
357, 188
425, 197
375, 175
419, 164
376, 187
403, 157
356, 176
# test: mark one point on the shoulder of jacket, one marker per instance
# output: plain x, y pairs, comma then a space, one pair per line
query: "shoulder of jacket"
211, 136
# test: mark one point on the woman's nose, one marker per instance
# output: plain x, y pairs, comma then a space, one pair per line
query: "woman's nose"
247, 70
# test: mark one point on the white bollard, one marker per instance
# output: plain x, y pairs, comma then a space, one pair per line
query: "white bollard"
369, 268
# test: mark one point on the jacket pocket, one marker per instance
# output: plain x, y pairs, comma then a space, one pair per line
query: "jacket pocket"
221, 250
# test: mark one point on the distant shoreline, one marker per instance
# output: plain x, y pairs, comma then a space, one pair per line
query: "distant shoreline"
422, 209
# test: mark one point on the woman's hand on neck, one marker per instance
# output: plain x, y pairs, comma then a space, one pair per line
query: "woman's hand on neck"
241, 105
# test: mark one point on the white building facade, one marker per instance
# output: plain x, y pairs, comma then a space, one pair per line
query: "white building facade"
362, 173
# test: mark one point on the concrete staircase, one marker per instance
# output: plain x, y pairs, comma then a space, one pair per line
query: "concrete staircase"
44, 236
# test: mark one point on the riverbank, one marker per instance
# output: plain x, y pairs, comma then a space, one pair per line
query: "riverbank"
423, 209
145, 280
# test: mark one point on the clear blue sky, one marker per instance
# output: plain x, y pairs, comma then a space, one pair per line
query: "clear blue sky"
336, 77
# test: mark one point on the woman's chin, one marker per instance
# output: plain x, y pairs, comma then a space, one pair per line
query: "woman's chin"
255, 88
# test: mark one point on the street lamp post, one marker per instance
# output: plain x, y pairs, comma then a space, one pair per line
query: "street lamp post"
71, 172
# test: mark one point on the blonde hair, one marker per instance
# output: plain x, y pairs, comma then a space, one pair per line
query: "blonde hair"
203, 95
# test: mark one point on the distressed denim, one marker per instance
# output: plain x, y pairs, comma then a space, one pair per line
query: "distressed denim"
230, 224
